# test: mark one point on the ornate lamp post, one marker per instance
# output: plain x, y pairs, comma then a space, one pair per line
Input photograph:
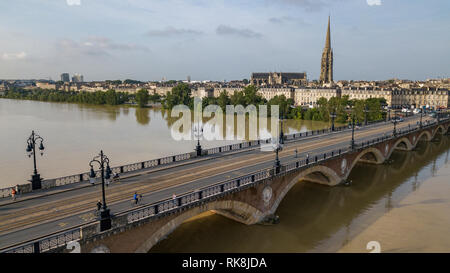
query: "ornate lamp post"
352, 143
281, 131
421, 115
366, 110
198, 132
101, 159
395, 121
333, 116
277, 164
31, 150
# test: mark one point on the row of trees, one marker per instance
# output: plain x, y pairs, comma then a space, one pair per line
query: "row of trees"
341, 107
110, 97
181, 94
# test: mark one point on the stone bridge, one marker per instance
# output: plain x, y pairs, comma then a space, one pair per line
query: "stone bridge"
250, 199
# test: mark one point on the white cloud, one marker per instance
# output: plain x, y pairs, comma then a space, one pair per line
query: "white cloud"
14, 56
73, 2
374, 2
97, 46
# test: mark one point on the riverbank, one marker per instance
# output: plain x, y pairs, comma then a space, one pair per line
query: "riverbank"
418, 223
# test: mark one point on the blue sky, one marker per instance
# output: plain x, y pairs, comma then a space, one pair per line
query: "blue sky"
223, 39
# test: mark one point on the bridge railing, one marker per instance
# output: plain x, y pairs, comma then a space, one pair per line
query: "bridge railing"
47, 243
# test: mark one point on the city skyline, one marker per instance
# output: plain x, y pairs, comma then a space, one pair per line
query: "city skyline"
217, 40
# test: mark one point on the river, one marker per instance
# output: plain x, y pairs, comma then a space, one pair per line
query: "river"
74, 133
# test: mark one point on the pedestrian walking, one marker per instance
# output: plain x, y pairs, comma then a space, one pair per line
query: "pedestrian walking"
296, 153
13, 194
136, 198
99, 205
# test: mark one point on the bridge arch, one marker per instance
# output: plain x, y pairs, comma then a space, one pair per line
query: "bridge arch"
425, 134
401, 144
239, 211
332, 179
439, 129
370, 155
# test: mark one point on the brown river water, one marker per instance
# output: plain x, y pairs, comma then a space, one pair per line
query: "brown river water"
74, 133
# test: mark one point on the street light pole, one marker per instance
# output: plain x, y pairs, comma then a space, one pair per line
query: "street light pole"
352, 143
395, 124
281, 131
31, 149
105, 216
366, 110
198, 131
421, 115
333, 116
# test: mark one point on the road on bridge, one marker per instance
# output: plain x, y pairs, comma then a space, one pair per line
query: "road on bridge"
29, 219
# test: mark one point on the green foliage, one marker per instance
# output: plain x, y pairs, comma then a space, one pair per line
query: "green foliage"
284, 105
180, 94
114, 82
110, 97
129, 81
344, 108
223, 100
142, 98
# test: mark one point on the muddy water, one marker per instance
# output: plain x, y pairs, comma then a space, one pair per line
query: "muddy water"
74, 133
316, 218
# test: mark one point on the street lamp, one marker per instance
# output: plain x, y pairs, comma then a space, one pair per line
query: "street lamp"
333, 116
277, 164
198, 132
101, 159
366, 110
395, 121
421, 115
352, 143
281, 131
31, 150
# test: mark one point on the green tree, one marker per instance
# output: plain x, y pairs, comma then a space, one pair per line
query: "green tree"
111, 97
142, 98
223, 100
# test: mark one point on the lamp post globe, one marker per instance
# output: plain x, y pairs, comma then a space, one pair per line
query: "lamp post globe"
31, 151
101, 160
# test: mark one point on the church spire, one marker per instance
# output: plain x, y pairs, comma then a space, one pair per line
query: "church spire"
326, 64
328, 42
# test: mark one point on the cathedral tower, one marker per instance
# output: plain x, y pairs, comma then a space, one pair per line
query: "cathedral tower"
326, 65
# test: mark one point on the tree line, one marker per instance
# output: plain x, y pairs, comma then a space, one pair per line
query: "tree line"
342, 107
110, 97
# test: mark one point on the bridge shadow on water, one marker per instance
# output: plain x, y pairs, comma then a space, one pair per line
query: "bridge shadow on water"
317, 218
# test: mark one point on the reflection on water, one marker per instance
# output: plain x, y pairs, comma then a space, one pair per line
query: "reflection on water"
317, 218
74, 133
